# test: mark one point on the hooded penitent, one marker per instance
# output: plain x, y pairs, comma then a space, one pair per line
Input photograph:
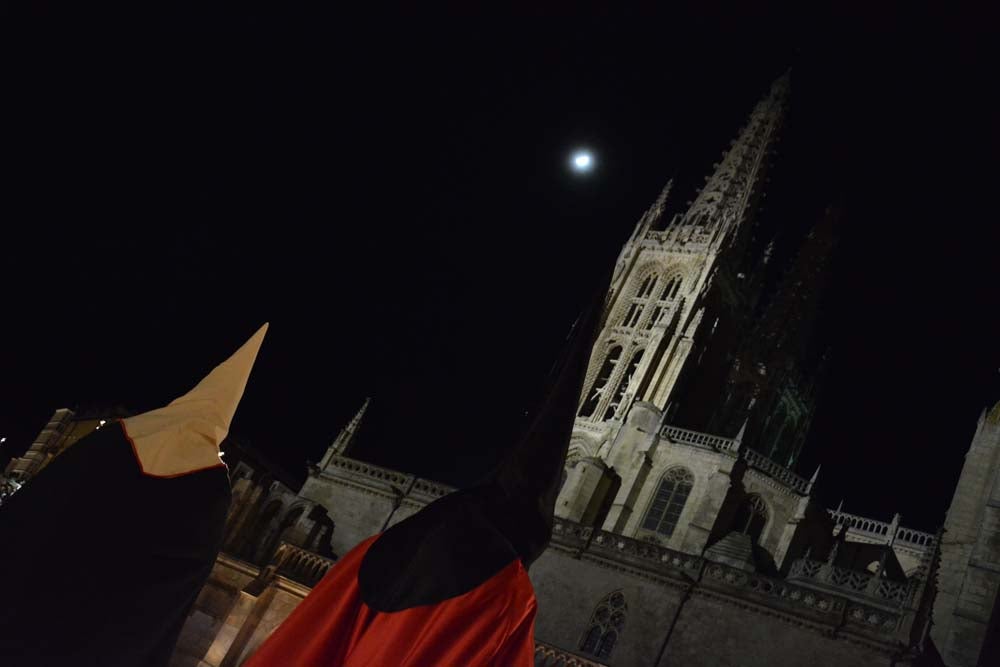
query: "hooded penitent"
448, 586
105, 550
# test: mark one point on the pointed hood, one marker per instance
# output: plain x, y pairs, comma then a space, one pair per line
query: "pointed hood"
184, 435
464, 539
521, 492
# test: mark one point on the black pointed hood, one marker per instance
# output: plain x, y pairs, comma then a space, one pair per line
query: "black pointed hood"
520, 494
462, 540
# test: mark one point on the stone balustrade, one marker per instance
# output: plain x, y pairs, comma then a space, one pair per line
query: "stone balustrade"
686, 437
601, 542
881, 529
755, 460
777, 589
873, 603
300, 565
389, 476
651, 553
368, 470
688, 234
854, 582
779, 472
432, 488
550, 656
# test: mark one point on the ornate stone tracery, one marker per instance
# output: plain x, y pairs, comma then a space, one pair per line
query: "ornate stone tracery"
606, 625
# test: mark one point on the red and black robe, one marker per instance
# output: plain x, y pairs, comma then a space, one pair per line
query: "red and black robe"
443, 588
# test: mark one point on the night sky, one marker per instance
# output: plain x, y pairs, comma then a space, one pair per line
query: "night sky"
392, 194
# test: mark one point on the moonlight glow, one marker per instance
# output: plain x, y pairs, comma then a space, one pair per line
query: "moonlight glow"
582, 161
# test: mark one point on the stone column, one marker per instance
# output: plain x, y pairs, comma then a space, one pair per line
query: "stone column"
702, 524
582, 492
631, 456
632, 482
241, 621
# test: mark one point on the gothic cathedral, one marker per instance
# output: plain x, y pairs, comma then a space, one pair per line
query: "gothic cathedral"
686, 531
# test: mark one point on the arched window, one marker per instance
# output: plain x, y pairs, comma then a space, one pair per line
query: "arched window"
655, 317
635, 310
670, 289
648, 285
623, 384
665, 510
601, 381
676, 288
634, 314
752, 517
606, 625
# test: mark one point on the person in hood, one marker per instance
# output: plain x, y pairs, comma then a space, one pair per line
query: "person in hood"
448, 586
105, 550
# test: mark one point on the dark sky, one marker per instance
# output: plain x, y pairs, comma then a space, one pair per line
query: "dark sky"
392, 195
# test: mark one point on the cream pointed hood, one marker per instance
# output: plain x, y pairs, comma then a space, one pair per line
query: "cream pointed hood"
184, 436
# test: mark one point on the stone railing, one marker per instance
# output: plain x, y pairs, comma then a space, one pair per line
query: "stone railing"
368, 470
754, 459
569, 534
778, 589
658, 236
430, 488
550, 656
882, 530
687, 233
300, 565
853, 582
779, 472
846, 596
872, 619
686, 437
650, 553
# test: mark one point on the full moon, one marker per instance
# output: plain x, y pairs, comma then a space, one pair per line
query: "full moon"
582, 161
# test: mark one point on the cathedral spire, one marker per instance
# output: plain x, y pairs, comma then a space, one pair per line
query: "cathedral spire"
722, 204
345, 439
353, 425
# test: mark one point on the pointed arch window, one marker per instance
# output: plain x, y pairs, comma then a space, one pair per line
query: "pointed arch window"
655, 317
623, 383
648, 285
664, 301
752, 517
600, 385
668, 503
634, 313
671, 288
606, 625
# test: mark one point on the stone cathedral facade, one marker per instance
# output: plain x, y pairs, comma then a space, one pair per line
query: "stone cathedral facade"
685, 531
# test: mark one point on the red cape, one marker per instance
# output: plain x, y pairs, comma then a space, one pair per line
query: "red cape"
490, 626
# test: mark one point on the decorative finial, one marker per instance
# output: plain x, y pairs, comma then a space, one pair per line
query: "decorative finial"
812, 481
742, 432
356, 421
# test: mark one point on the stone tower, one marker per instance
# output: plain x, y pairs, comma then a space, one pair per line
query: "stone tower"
773, 379
679, 284
966, 617
684, 295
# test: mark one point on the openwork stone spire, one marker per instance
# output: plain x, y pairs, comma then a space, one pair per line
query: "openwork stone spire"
723, 202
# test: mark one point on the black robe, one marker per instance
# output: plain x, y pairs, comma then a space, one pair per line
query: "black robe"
101, 563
